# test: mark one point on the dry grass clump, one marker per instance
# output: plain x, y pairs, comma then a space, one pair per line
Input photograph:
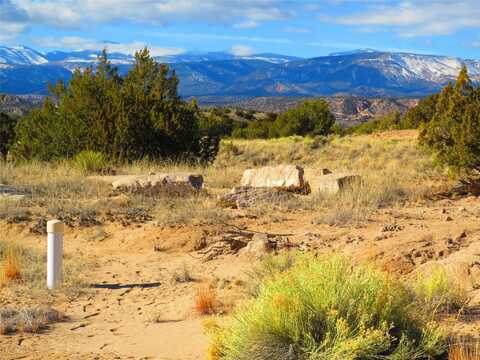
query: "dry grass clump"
51, 187
464, 350
11, 267
28, 320
182, 274
32, 267
206, 300
196, 209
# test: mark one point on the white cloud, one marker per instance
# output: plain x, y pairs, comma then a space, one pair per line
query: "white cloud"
202, 36
79, 43
13, 21
420, 17
246, 25
242, 50
297, 30
68, 13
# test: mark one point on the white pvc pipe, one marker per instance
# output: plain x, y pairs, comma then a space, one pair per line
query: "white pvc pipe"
55, 230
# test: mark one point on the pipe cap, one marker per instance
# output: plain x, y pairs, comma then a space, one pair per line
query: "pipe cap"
55, 227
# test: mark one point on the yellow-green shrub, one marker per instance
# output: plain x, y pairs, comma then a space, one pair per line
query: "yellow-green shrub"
90, 162
327, 308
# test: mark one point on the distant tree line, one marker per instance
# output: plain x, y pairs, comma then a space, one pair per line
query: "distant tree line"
309, 118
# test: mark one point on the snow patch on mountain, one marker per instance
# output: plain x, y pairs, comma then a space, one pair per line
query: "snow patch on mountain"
21, 55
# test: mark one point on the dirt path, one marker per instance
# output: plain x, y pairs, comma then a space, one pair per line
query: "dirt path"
136, 310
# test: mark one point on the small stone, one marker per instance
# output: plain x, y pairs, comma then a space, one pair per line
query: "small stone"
448, 218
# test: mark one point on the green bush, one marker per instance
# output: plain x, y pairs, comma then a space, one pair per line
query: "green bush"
388, 122
439, 293
311, 117
126, 118
216, 124
420, 114
7, 133
89, 162
328, 309
453, 133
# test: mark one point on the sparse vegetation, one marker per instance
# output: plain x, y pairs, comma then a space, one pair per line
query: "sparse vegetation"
326, 308
89, 162
29, 267
182, 274
206, 300
11, 267
27, 320
464, 350
436, 291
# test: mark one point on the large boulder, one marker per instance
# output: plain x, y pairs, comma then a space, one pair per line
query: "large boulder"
154, 182
330, 184
288, 177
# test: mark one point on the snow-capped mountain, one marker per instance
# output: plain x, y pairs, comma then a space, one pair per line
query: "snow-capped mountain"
21, 55
362, 72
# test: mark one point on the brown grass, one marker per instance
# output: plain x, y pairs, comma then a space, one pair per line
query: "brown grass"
464, 351
27, 320
11, 268
32, 287
206, 300
392, 166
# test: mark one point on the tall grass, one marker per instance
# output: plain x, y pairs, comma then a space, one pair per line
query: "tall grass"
393, 170
464, 350
89, 162
326, 308
10, 267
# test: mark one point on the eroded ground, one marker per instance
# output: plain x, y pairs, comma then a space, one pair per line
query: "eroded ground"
136, 309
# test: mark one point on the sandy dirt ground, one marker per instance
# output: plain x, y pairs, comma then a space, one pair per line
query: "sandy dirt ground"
135, 310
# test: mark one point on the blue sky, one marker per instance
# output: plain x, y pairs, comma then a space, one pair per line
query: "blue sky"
302, 28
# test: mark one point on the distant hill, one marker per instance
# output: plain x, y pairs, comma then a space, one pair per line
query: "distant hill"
361, 73
348, 110
19, 105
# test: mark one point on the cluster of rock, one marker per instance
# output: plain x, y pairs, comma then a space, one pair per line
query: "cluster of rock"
274, 182
265, 184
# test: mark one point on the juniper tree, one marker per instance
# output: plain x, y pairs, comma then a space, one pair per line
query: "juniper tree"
453, 134
126, 118
7, 133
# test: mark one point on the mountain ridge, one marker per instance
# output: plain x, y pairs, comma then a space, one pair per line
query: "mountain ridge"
364, 72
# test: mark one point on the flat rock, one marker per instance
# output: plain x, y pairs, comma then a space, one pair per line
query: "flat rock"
153, 183
282, 176
332, 183
312, 177
10, 193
